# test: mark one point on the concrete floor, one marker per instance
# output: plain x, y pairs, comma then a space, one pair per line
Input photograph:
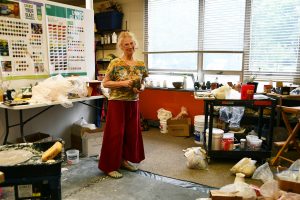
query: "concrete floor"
85, 181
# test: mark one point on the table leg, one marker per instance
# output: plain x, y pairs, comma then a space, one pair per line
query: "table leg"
6, 127
260, 120
22, 125
271, 128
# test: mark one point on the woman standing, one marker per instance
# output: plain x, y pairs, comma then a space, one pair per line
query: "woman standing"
122, 140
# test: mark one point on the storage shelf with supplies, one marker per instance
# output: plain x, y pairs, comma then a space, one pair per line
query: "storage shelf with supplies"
260, 104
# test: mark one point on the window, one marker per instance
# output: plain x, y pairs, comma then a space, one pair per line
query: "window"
172, 34
224, 38
181, 38
274, 39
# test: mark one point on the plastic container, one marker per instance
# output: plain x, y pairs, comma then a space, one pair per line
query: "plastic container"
242, 143
217, 135
247, 92
199, 121
114, 38
255, 144
228, 141
198, 137
72, 156
109, 20
250, 137
163, 126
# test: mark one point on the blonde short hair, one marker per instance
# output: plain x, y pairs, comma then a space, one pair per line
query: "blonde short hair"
125, 34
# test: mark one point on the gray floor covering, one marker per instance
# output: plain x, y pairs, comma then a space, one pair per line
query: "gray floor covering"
165, 156
85, 181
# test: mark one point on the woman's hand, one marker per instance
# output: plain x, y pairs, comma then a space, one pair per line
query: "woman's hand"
127, 83
135, 90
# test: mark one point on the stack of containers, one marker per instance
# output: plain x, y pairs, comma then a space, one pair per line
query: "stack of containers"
199, 121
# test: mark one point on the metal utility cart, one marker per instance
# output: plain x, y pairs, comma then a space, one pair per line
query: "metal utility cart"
260, 102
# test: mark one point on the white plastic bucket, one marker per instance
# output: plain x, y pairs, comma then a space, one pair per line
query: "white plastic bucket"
199, 121
199, 128
217, 135
163, 126
199, 118
72, 156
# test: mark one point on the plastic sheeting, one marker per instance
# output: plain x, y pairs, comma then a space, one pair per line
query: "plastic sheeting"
185, 184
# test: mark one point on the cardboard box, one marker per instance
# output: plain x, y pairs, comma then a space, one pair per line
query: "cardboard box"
91, 143
36, 137
219, 195
289, 186
77, 132
80, 130
180, 127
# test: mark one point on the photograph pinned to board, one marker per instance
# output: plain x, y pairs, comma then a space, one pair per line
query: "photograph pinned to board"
4, 51
10, 9
23, 40
6, 66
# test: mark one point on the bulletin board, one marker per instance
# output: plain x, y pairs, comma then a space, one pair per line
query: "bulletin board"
39, 39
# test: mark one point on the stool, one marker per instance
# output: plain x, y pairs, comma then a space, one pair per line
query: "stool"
291, 140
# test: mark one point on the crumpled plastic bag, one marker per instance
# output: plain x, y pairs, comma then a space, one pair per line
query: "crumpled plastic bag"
263, 173
292, 174
196, 158
221, 92
83, 123
232, 115
78, 86
295, 91
245, 166
240, 189
57, 89
163, 114
289, 196
270, 189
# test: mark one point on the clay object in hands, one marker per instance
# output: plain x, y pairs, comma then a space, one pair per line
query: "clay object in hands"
137, 83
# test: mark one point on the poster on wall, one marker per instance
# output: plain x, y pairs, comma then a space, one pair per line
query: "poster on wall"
23, 46
66, 40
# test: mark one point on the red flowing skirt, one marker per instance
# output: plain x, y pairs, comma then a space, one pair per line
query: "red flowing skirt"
122, 138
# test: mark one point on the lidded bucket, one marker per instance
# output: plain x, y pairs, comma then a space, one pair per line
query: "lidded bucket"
217, 136
72, 156
163, 126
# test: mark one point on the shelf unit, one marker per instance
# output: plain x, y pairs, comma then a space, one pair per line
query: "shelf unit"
260, 104
101, 64
106, 45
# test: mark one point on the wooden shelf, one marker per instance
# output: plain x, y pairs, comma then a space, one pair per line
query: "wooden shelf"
105, 46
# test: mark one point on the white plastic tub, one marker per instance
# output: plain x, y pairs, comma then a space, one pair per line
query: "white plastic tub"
72, 156
255, 144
